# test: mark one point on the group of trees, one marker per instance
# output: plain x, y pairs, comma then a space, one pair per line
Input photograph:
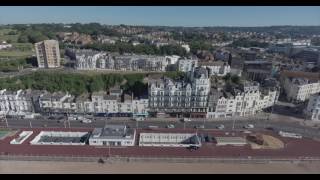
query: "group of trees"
123, 47
38, 32
75, 84
198, 45
232, 79
30, 36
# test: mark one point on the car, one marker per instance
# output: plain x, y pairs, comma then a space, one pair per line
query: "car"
270, 128
51, 117
170, 126
191, 148
139, 119
199, 127
152, 127
186, 119
86, 121
248, 126
246, 132
44, 125
221, 126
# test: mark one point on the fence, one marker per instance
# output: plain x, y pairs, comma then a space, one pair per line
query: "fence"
256, 160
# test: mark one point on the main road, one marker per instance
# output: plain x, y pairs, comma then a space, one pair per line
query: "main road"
236, 124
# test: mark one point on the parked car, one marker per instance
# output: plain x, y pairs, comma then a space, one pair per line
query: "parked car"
139, 119
270, 128
71, 118
186, 119
199, 127
221, 126
170, 126
153, 127
191, 148
248, 126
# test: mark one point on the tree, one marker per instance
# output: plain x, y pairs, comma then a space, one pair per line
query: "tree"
12, 33
227, 77
235, 79
23, 39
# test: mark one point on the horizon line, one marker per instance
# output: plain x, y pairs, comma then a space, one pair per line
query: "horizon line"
228, 26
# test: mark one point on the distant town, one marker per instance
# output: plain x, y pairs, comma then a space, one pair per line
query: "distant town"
141, 86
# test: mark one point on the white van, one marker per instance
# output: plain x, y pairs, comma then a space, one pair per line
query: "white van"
139, 118
186, 119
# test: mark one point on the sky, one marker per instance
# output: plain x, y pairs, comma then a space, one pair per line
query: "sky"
164, 15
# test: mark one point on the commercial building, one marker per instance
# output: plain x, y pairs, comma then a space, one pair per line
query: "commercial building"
113, 135
308, 55
258, 70
48, 54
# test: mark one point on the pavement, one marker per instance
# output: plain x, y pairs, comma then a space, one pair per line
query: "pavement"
294, 148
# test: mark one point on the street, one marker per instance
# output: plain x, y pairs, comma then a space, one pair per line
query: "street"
237, 124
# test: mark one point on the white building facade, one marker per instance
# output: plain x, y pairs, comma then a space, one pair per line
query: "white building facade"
179, 97
187, 65
245, 102
313, 109
300, 89
15, 102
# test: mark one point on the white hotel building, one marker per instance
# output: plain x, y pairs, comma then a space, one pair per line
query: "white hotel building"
180, 97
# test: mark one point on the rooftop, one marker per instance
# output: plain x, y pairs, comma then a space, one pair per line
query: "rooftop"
301, 74
113, 132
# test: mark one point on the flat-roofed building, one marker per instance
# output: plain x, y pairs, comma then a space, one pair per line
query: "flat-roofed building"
169, 139
112, 135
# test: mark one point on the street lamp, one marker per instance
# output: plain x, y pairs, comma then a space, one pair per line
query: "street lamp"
30, 124
233, 122
5, 118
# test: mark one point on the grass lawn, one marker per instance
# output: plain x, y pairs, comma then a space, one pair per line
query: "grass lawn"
6, 37
22, 46
10, 54
3, 133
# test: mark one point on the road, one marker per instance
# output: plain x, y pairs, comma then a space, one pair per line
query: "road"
259, 124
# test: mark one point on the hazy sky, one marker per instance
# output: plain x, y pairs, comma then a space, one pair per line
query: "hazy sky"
165, 15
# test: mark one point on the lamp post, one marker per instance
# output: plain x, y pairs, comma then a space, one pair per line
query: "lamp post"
233, 122
5, 118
